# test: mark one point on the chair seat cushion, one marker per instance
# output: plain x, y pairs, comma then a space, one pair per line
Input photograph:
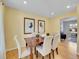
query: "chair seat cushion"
42, 51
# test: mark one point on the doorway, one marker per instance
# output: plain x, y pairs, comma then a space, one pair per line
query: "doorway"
69, 29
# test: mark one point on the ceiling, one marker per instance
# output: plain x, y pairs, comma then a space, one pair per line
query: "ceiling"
43, 7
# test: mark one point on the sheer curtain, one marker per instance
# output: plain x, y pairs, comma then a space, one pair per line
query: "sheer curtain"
2, 41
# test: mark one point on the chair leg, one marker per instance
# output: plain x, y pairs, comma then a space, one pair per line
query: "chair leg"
57, 50
35, 50
49, 56
37, 54
53, 53
42, 57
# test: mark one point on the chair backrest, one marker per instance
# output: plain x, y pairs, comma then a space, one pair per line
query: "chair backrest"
43, 35
55, 41
47, 43
18, 46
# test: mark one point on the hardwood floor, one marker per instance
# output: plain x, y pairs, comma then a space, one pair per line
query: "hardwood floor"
67, 50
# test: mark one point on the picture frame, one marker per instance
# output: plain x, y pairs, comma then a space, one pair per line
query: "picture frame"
29, 25
41, 26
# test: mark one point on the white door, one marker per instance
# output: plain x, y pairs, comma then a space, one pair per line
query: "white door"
2, 41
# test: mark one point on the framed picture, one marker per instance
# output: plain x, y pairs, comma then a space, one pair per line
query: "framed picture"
29, 25
41, 26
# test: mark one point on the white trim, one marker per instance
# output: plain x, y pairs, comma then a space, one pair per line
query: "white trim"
11, 49
69, 18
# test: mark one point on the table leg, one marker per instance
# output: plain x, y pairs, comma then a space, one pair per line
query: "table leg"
31, 54
35, 50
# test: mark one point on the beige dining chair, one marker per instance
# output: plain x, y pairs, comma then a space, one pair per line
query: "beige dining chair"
45, 49
55, 43
21, 54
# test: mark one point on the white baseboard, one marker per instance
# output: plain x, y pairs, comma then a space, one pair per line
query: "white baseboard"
11, 49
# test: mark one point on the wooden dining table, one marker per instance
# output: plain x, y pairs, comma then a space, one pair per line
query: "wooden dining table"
32, 42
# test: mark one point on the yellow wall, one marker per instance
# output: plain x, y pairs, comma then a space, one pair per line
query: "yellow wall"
14, 25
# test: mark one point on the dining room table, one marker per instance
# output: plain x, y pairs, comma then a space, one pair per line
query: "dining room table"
32, 42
